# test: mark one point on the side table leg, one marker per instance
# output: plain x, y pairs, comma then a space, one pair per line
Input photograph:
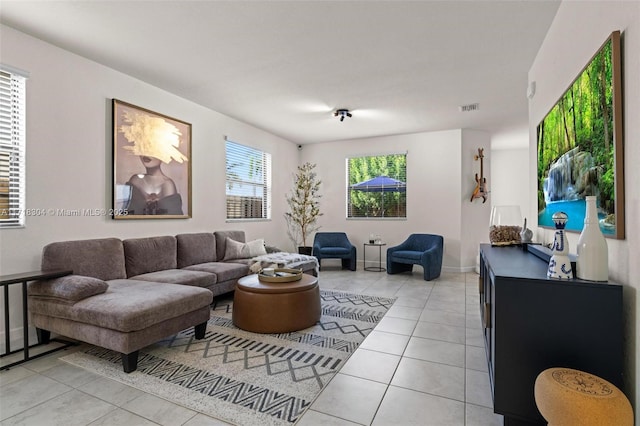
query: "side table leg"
7, 337
25, 320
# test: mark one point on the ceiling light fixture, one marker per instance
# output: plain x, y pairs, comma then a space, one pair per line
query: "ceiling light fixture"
342, 113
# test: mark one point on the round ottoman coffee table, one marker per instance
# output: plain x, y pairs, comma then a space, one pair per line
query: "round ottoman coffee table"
265, 307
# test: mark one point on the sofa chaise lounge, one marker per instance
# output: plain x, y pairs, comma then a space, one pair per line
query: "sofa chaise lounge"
124, 295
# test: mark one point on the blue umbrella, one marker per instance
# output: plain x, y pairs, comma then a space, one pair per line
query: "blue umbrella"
380, 184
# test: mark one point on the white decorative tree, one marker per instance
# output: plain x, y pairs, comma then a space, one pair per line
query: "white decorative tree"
304, 207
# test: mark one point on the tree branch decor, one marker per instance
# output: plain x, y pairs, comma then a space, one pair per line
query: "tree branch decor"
303, 204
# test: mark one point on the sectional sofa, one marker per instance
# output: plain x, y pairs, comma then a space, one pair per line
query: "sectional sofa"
124, 295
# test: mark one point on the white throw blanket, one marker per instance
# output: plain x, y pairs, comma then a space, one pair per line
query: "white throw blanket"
282, 260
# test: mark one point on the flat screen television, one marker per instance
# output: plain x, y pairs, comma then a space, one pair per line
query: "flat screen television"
580, 147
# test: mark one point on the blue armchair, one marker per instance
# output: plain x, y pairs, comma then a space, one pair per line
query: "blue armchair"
334, 245
418, 249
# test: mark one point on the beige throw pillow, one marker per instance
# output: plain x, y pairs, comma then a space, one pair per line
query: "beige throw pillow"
237, 250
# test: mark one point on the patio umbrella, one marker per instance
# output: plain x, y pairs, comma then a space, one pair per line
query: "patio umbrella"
380, 184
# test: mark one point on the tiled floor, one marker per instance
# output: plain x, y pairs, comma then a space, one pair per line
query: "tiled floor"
424, 364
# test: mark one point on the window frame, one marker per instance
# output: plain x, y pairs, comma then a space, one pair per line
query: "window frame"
348, 205
13, 117
264, 171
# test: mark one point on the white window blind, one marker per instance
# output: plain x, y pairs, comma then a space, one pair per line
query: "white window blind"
248, 182
12, 147
377, 186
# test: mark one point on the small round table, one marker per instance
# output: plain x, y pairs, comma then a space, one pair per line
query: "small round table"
266, 307
378, 268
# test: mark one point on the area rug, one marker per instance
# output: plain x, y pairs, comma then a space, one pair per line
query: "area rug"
247, 378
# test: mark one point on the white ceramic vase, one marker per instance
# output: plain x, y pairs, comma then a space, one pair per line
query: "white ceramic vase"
593, 256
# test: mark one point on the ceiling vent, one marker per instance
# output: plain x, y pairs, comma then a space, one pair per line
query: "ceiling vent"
470, 107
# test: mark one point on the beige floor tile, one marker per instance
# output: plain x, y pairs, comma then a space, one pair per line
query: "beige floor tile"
476, 358
443, 317
122, 417
24, 394
390, 343
371, 365
350, 398
411, 302
444, 332
478, 388
203, 420
72, 408
404, 312
14, 374
115, 393
436, 351
159, 410
396, 325
430, 377
315, 418
410, 408
481, 416
70, 375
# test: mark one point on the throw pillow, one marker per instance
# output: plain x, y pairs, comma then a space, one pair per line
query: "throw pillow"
68, 289
237, 250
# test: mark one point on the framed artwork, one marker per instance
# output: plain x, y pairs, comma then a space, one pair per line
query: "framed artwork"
151, 164
580, 147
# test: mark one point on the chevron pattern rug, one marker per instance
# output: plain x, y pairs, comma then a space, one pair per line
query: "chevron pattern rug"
247, 378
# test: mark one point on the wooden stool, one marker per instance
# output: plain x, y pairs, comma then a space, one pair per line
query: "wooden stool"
567, 397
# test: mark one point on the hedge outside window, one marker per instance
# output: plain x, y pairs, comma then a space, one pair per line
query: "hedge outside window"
377, 186
12, 146
248, 182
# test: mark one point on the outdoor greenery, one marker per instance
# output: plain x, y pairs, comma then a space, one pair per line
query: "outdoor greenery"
582, 120
377, 204
304, 205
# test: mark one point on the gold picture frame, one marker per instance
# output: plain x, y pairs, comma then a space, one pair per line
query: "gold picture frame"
151, 164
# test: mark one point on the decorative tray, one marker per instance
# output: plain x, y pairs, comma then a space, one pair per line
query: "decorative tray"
282, 275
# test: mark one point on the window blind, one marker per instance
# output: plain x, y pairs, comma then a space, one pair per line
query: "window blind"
377, 186
248, 182
12, 147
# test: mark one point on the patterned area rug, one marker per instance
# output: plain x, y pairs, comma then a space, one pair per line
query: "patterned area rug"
247, 378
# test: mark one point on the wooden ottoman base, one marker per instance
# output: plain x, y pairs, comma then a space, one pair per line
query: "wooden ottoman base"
566, 396
276, 307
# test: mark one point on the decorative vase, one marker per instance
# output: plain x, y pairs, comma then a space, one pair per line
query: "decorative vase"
560, 264
504, 225
593, 256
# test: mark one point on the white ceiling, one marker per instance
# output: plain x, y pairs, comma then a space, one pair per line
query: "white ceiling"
400, 66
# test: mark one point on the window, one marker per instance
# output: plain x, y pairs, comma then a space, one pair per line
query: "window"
12, 146
377, 186
248, 182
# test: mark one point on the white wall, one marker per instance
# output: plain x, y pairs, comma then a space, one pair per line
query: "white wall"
69, 156
437, 188
510, 180
578, 31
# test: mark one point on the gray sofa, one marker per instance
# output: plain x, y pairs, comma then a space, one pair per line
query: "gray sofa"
123, 294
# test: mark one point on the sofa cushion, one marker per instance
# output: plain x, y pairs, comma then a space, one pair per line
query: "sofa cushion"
68, 289
99, 258
237, 250
143, 255
223, 271
179, 276
126, 305
195, 248
221, 241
